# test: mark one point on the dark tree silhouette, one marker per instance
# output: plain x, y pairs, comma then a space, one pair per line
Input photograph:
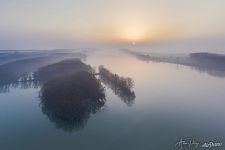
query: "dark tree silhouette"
68, 101
62, 68
121, 86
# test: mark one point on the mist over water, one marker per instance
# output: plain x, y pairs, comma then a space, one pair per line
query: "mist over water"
120, 99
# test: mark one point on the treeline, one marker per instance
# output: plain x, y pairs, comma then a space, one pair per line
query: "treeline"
121, 86
61, 69
116, 79
211, 56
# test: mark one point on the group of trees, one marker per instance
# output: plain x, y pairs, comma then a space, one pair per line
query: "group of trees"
121, 86
70, 90
61, 69
116, 79
16, 66
69, 97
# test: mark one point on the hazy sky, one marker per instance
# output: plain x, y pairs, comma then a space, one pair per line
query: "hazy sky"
74, 23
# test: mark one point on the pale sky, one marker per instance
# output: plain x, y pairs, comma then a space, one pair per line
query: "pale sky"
74, 23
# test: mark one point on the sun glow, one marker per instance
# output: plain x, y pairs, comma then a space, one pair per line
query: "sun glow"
138, 31
134, 31
126, 29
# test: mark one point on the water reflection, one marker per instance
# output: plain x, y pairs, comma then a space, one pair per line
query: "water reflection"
46, 73
69, 89
11, 73
69, 101
120, 86
71, 92
212, 64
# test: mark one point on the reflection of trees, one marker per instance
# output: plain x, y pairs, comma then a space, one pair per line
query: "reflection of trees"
70, 91
69, 94
212, 64
21, 84
68, 101
121, 86
12, 71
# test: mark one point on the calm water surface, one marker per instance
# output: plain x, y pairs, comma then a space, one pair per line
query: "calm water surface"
172, 101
